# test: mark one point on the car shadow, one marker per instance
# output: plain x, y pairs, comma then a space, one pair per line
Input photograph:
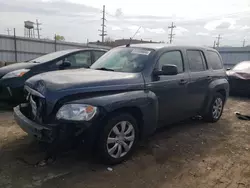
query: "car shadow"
241, 96
169, 146
5, 106
185, 139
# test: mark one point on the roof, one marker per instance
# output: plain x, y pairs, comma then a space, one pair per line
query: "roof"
154, 46
157, 46
80, 49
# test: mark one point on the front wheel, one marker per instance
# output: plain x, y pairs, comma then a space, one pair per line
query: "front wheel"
118, 138
215, 108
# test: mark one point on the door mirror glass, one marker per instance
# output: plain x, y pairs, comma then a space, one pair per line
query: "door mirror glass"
167, 70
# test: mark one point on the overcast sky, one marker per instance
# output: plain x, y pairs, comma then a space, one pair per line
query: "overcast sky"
197, 22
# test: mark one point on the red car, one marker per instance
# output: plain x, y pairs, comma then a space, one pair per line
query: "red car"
239, 78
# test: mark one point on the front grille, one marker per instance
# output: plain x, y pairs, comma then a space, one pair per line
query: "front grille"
37, 106
36, 103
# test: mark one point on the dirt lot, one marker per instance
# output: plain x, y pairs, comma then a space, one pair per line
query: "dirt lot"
190, 154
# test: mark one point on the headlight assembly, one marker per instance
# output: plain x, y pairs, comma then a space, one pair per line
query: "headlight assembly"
16, 73
76, 112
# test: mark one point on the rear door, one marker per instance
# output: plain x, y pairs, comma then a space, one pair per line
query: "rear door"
200, 78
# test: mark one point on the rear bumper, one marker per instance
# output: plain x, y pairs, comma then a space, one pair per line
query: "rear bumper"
40, 132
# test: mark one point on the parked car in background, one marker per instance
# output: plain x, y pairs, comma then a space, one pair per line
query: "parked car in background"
239, 78
12, 77
125, 96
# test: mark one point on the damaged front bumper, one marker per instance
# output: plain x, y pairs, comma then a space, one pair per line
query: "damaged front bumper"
43, 133
51, 132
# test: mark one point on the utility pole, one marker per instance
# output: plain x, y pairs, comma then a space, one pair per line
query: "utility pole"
244, 42
37, 28
15, 45
171, 35
214, 44
218, 40
8, 31
103, 32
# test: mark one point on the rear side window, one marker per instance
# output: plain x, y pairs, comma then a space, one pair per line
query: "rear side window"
196, 60
214, 60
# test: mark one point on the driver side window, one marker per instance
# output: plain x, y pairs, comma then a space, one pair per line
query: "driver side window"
173, 58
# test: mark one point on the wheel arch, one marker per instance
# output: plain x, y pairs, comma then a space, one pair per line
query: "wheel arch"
134, 111
217, 86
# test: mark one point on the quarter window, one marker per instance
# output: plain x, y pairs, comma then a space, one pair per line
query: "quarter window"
214, 60
173, 58
196, 60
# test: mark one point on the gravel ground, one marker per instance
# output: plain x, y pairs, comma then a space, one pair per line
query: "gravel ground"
188, 154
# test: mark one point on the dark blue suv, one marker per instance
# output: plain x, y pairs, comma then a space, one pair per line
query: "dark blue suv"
125, 96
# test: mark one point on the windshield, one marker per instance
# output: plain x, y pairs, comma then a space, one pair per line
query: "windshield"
243, 66
123, 60
50, 56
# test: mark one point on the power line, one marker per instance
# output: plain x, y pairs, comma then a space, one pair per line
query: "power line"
171, 35
37, 28
103, 32
218, 40
8, 31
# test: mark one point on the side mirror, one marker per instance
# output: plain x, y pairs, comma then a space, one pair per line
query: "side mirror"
167, 70
65, 64
228, 68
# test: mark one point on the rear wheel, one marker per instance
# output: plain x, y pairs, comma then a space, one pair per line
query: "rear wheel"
118, 138
215, 108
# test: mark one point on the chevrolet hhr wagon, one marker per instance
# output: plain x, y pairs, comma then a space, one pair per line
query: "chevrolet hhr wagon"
125, 96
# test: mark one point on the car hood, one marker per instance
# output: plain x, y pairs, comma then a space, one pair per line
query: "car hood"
244, 75
16, 66
69, 82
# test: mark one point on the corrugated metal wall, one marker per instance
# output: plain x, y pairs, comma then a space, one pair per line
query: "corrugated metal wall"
234, 55
27, 48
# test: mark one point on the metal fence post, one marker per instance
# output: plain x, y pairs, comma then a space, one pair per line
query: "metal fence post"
15, 47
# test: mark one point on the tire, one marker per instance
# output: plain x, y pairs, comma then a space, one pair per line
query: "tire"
213, 116
125, 143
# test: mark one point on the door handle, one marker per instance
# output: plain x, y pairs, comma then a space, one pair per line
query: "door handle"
182, 82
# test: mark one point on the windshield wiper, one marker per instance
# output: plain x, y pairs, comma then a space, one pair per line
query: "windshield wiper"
105, 69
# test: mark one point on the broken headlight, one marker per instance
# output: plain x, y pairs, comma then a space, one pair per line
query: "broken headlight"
76, 112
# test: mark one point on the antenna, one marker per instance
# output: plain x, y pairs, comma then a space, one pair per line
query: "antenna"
133, 37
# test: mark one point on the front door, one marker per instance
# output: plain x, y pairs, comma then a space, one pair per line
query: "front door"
171, 90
